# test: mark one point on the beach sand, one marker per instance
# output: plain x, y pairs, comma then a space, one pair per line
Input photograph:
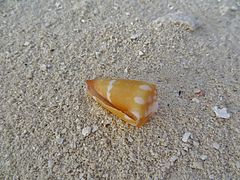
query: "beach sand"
50, 128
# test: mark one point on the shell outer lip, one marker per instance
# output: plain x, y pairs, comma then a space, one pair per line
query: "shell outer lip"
92, 92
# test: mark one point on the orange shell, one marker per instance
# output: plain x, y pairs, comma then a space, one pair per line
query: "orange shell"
131, 100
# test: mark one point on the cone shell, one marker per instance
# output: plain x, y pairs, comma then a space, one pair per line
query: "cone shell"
131, 100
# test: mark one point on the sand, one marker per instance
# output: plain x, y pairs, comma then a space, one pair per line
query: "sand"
50, 128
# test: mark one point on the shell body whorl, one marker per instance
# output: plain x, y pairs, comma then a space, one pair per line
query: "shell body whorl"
131, 100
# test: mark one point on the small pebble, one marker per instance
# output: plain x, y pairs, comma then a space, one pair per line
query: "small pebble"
26, 43
115, 7
86, 131
196, 91
60, 140
81, 176
186, 136
64, 130
50, 163
58, 5
233, 8
197, 165
127, 14
29, 75
173, 159
221, 113
216, 146
140, 53
43, 67
199, 92
163, 142
135, 36
79, 127
211, 176
48, 66
179, 17
94, 128
97, 54
170, 6
195, 143
196, 100
203, 157
129, 139
238, 164
106, 122
126, 70
76, 30
105, 176
224, 10
186, 147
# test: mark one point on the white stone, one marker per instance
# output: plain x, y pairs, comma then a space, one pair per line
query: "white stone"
196, 100
86, 131
224, 9
43, 67
140, 53
195, 143
211, 177
186, 136
186, 147
216, 146
238, 164
197, 165
173, 159
60, 140
170, 6
94, 128
29, 75
126, 70
58, 5
50, 163
130, 139
233, 8
203, 157
26, 43
49, 66
178, 18
222, 113
196, 91
79, 127
135, 36
127, 14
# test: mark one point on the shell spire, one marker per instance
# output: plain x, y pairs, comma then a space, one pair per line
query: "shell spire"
131, 100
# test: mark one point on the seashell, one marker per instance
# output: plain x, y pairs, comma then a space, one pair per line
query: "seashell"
131, 100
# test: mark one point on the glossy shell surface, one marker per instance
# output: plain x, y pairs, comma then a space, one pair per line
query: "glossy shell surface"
131, 100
